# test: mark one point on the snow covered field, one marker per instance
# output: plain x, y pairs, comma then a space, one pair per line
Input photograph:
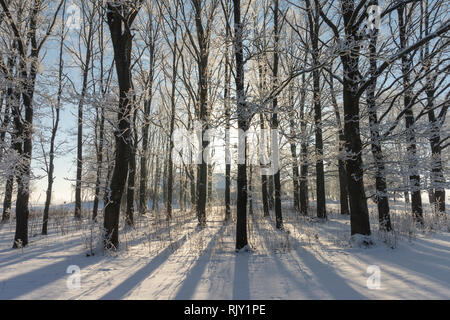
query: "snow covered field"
313, 260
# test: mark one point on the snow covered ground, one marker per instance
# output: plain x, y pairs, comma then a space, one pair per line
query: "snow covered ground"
313, 260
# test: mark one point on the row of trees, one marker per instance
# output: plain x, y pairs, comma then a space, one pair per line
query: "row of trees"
355, 94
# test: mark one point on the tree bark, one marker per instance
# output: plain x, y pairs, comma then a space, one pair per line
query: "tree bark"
314, 26
304, 162
131, 183
359, 213
122, 43
12, 98
7, 202
204, 112
437, 183
227, 130
437, 175
343, 188
295, 170
264, 180
414, 177
24, 131
381, 196
241, 207
157, 182
171, 130
100, 128
274, 126
145, 140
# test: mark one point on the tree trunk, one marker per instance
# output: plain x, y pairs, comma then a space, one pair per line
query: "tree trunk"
276, 176
227, 130
24, 130
210, 184
86, 69
381, 196
241, 207
250, 190
202, 63
99, 167
99, 162
437, 178
359, 213
12, 98
122, 43
295, 170
171, 144
437, 175
304, 164
143, 164
274, 127
99, 126
131, 176
8, 199
181, 190
157, 182
343, 188
145, 143
313, 17
51, 166
9, 100
193, 190
414, 177
264, 180
320, 174
165, 173
271, 191
293, 146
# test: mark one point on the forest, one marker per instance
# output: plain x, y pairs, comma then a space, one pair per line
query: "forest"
215, 128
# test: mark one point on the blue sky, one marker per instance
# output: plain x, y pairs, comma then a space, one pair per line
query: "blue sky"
65, 167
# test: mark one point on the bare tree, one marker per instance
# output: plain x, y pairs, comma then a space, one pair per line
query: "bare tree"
29, 46
56, 110
86, 36
120, 18
274, 121
204, 13
150, 37
350, 43
243, 124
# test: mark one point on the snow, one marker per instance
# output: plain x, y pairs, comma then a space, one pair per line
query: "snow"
310, 260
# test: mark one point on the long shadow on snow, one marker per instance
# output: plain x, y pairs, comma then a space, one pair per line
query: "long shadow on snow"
241, 283
31, 252
422, 259
289, 275
191, 281
12, 288
327, 277
130, 283
159, 229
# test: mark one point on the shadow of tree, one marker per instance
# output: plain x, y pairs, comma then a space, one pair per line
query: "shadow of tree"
131, 282
194, 276
13, 288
